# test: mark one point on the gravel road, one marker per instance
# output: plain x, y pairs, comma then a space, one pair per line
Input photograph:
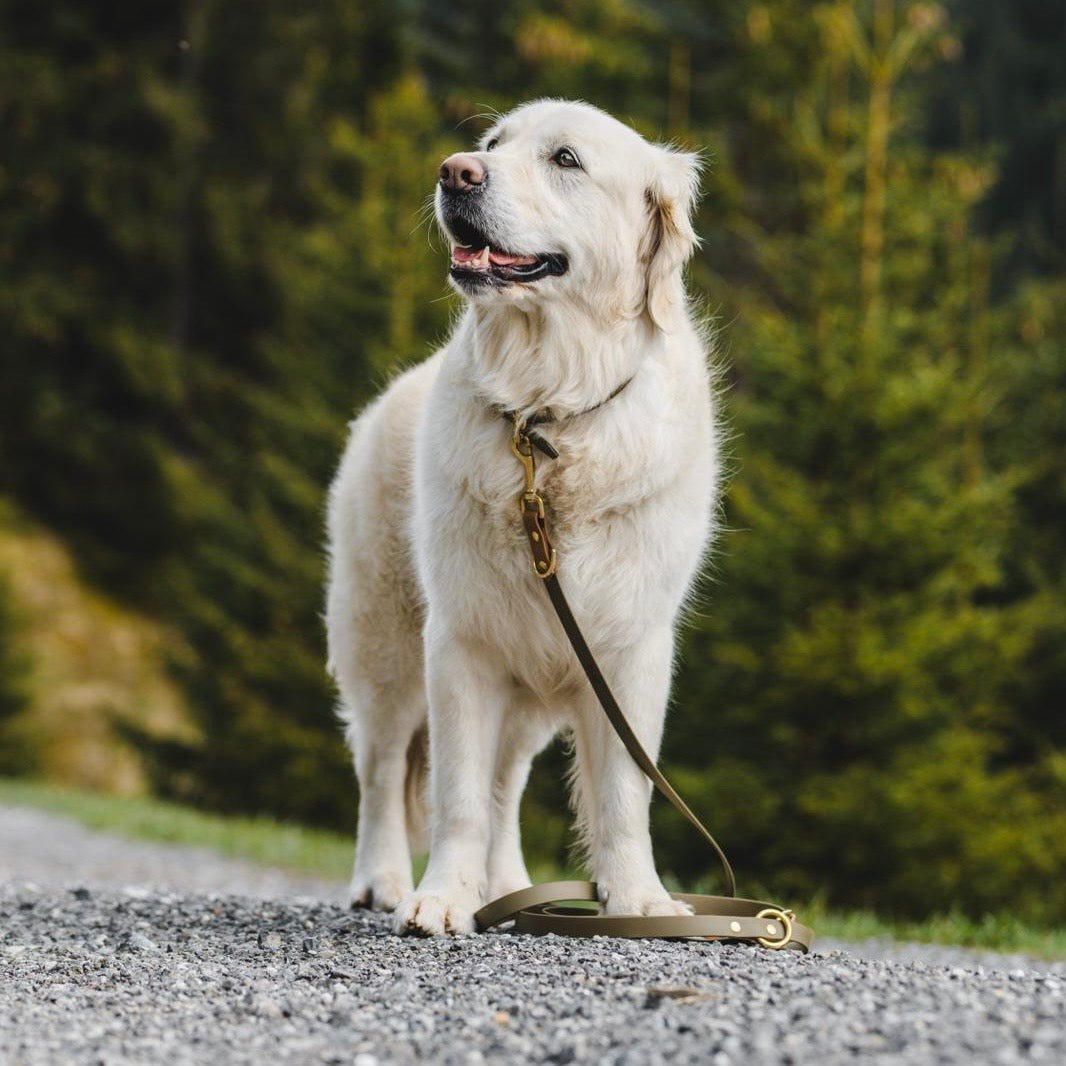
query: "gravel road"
114, 953
47, 850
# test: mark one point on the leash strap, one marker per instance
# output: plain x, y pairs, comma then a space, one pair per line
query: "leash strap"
622, 727
549, 908
556, 907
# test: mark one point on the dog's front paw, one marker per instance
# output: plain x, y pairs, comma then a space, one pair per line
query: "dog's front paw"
653, 903
434, 914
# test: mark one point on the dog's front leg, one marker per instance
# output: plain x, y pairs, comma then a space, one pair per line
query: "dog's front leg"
467, 694
613, 790
524, 734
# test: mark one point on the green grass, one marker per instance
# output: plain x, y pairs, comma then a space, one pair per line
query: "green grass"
329, 855
991, 932
994, 932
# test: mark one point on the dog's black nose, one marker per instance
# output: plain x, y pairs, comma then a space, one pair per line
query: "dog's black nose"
462, 173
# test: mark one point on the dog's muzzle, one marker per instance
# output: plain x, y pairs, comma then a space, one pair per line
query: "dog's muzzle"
480, 256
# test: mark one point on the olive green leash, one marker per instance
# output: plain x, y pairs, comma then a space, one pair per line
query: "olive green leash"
555, 907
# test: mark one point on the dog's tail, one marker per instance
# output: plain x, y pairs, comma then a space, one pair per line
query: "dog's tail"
415, 785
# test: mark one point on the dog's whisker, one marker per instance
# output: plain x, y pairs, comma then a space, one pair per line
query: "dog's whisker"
490, 114
426, 220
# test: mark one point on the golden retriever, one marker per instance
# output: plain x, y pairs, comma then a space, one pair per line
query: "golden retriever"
569, 232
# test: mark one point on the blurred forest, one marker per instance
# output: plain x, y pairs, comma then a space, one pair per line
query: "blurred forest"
211, 256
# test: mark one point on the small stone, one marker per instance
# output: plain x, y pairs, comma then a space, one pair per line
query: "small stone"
135, 941
265, 1007
680, 994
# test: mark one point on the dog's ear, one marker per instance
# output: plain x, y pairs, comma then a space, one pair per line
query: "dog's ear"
670, 238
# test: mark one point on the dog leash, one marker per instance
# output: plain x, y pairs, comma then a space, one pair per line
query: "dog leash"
550, 908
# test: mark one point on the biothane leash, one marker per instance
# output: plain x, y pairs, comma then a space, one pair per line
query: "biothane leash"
544, 908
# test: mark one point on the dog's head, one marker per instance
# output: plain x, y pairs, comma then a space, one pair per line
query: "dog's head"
561, 200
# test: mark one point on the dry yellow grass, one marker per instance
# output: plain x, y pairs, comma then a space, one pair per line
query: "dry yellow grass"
92, 661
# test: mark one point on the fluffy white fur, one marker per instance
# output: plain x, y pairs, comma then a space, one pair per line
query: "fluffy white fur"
433, 611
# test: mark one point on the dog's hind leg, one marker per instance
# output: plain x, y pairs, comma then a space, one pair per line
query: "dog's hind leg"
382, 873
523, 736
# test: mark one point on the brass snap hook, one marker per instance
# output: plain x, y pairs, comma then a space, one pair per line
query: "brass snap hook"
522, 448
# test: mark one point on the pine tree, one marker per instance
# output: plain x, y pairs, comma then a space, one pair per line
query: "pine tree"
858, 660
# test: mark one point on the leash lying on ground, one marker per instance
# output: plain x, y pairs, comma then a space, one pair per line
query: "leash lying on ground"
549, 908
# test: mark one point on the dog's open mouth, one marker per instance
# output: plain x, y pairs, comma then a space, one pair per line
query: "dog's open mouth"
476, 260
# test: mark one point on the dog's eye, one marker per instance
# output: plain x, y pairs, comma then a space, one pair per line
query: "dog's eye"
492, 144
565, 157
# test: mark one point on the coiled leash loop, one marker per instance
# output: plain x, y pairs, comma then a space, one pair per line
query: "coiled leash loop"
555, 907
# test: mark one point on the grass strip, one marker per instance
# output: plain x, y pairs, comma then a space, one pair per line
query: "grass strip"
992, 932
329, 855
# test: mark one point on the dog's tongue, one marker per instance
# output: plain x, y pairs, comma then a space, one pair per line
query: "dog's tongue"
511, 260
470, 255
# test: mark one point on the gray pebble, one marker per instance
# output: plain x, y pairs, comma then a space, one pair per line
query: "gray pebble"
135, 941
268, 941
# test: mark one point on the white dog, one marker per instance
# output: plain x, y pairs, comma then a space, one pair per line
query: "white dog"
569, 233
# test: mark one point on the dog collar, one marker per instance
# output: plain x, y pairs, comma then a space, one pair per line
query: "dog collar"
545, 417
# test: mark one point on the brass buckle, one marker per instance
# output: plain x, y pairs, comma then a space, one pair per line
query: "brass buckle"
785, 918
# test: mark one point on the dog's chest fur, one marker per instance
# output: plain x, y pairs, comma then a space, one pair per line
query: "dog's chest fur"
628, 504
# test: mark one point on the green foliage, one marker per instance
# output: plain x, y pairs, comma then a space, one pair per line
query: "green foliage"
1008, 92
215, 249
864, 635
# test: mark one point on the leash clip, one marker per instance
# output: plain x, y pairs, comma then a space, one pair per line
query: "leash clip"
531, 504
522, 447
